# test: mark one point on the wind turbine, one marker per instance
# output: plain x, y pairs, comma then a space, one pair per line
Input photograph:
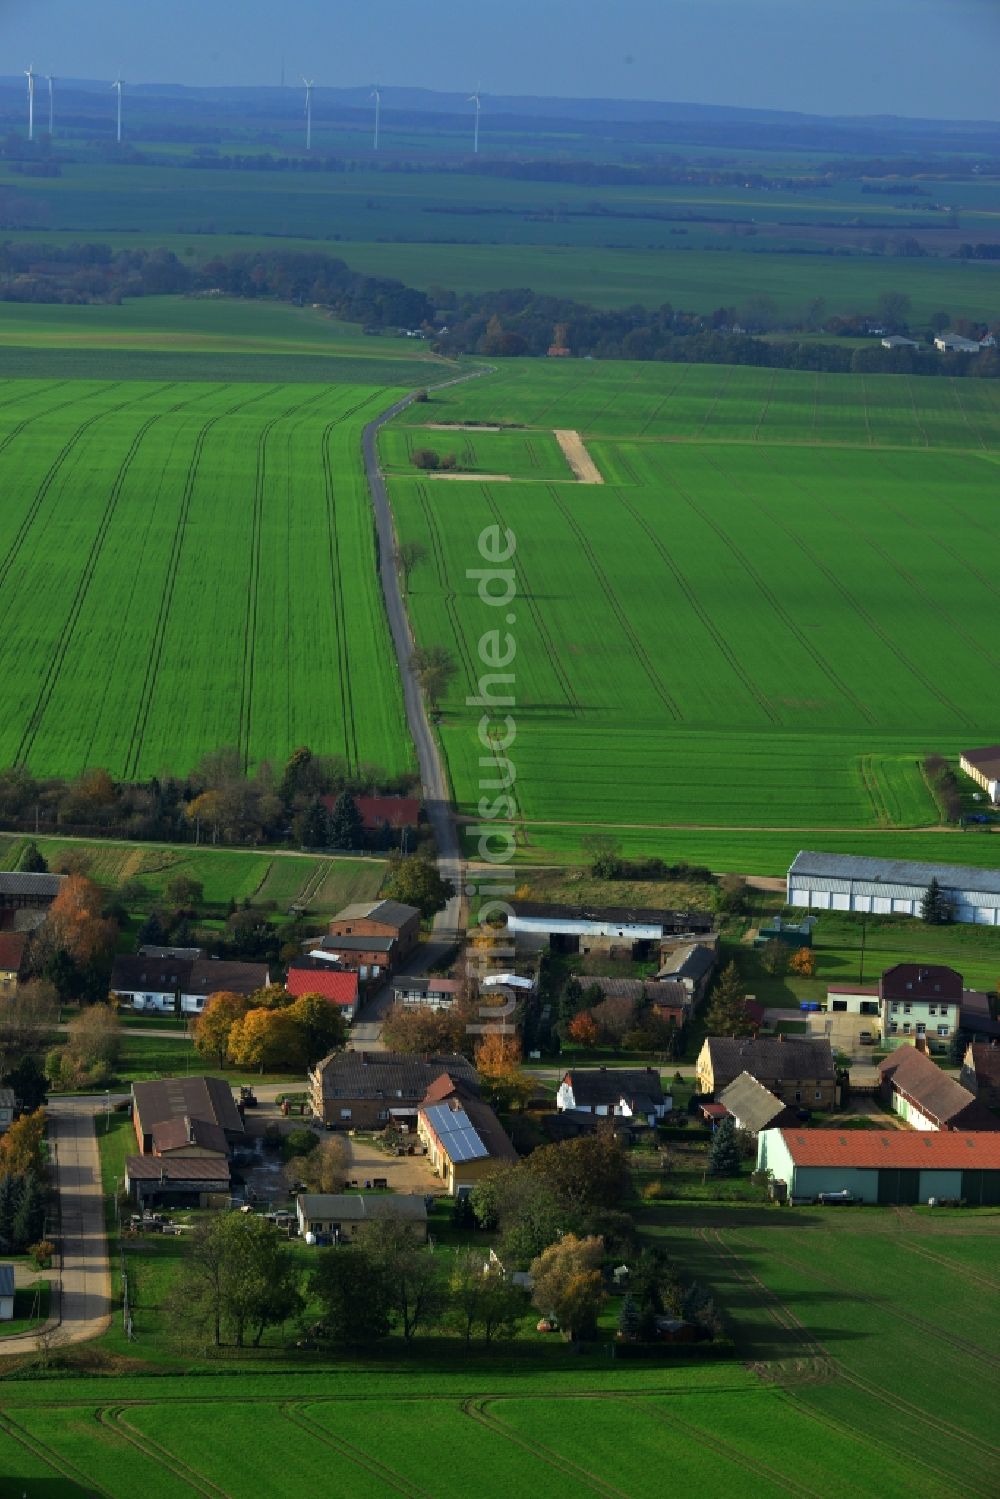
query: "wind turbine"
309, 112
29, 73
116, 88
52, 107
476, 99
377, 96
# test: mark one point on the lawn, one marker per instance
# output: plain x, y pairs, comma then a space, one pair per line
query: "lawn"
190, 566
31, 1309
788, 586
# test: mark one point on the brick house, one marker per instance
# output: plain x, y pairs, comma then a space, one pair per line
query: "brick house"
798, 1070
371, 1089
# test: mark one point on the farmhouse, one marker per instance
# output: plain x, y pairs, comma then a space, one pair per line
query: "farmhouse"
920, 1000
313, 976
463, 1137
12, 945
799, 1070
334, 1218
850, 882
181, 1181
214, 975
429, 993
207, 1100
891, 1167
585, 929
371, 936
954, 343
149, 983
927, 1098
983, 767
6, 1293
981, 1073
617, 1092
753, 1107
370, 1089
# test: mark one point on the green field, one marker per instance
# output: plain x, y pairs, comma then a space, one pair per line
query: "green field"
777, 603
186, 566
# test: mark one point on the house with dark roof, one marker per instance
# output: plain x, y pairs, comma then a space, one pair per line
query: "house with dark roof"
21, 891
752, 1107
797, 1069
692, 966
976, 1016
12, 945
887, 1166
314, 976
983, 767
920, 1001
372, 1089
149, 983
917, 1090
981, 1072
614, 1092
183, 1100
208, 976
372, 936
178, 1181
334, 1217
462, 1135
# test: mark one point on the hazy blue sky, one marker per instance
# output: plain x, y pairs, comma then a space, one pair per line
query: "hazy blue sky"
917, 57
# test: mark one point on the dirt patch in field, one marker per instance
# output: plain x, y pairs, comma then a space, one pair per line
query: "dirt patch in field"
478, 478
579, 460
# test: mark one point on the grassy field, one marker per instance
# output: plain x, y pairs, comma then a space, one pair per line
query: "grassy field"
186, 566
776, 605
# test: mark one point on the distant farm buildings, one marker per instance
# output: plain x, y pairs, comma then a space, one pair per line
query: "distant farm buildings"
584, 929
955, 343
891, 887
983, 767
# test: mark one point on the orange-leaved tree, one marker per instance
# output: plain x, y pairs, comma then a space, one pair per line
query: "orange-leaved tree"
269, 1040
211, 1029
584, 1030
21, 1147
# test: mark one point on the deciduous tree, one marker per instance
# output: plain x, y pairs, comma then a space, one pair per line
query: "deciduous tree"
415, 1291
212, 1028
353, 1293
21, 1147
321, 1026
583, 1030
567, 1284
416, 881
803, 962
268, 1040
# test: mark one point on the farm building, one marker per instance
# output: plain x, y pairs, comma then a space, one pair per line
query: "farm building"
976, 1016
927, 1098
794, 934
184, 1099
854, 999
464, 1139
920, 1000
12, 945
333, 1217
983, 767
888, 1166
6, 1293
692, 966
981, 1072
313, 976
430, 993
897, 341
797, 1069
25, 898
851, 882
370, 936
587, 929
955, 343
753, 1107
370, 1089
178, 1181
615, 1092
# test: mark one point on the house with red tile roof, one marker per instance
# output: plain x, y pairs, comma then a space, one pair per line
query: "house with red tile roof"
338, 985
886, 1166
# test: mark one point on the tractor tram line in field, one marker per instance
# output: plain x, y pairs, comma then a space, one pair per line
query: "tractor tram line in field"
113, 1419
397, 1482
475, 1409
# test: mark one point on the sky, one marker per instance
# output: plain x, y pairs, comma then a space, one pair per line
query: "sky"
929, 58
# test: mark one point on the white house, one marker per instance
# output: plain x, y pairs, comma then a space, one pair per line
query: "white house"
884, 887
614, 1092
6, 1293
954, 343
149, 983
428, 993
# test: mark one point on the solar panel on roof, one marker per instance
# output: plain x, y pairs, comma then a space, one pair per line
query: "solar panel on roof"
454, 1129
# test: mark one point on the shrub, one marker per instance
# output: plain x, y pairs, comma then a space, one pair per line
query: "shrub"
299, 1142
42, 1253
425, 458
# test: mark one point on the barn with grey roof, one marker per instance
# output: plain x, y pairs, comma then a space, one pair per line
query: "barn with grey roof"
892, 887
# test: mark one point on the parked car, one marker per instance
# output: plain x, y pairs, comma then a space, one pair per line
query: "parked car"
866, 1038
835, 1199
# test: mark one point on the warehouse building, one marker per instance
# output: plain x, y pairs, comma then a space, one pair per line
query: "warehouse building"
584, 929
889, 1167
983, 767
891, 887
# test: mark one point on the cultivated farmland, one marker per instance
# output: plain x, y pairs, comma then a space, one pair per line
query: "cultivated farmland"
776, 605
188, 565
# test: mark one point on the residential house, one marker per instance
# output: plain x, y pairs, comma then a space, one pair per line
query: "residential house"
12, 945
799, 1070
371, 1089
463, 1137
178, 1181
428, 993
372, 936
887, 1166
6, 1293
210, 976
981, 1072
920, 1000
692, 966
983, 767
333, 1217
149, 983
955, 343
181, 954
752, 1107
892, 887
856, 999
8, 1109
917, 1090
206, 1099
338, 985
615, 1092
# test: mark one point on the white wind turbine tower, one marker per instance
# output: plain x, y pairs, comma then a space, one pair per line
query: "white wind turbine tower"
309, 112
477, 100
29, 73
116, 88
377, 96
52, 106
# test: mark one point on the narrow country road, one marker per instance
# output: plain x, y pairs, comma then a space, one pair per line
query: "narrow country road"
81, 1287
448, 924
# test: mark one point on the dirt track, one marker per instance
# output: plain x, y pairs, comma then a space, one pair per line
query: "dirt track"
578, 458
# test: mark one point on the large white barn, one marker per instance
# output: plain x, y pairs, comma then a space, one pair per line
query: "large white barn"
884, 887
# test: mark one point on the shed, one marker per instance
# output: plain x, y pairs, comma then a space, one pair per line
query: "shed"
336, 1216
888, 1167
